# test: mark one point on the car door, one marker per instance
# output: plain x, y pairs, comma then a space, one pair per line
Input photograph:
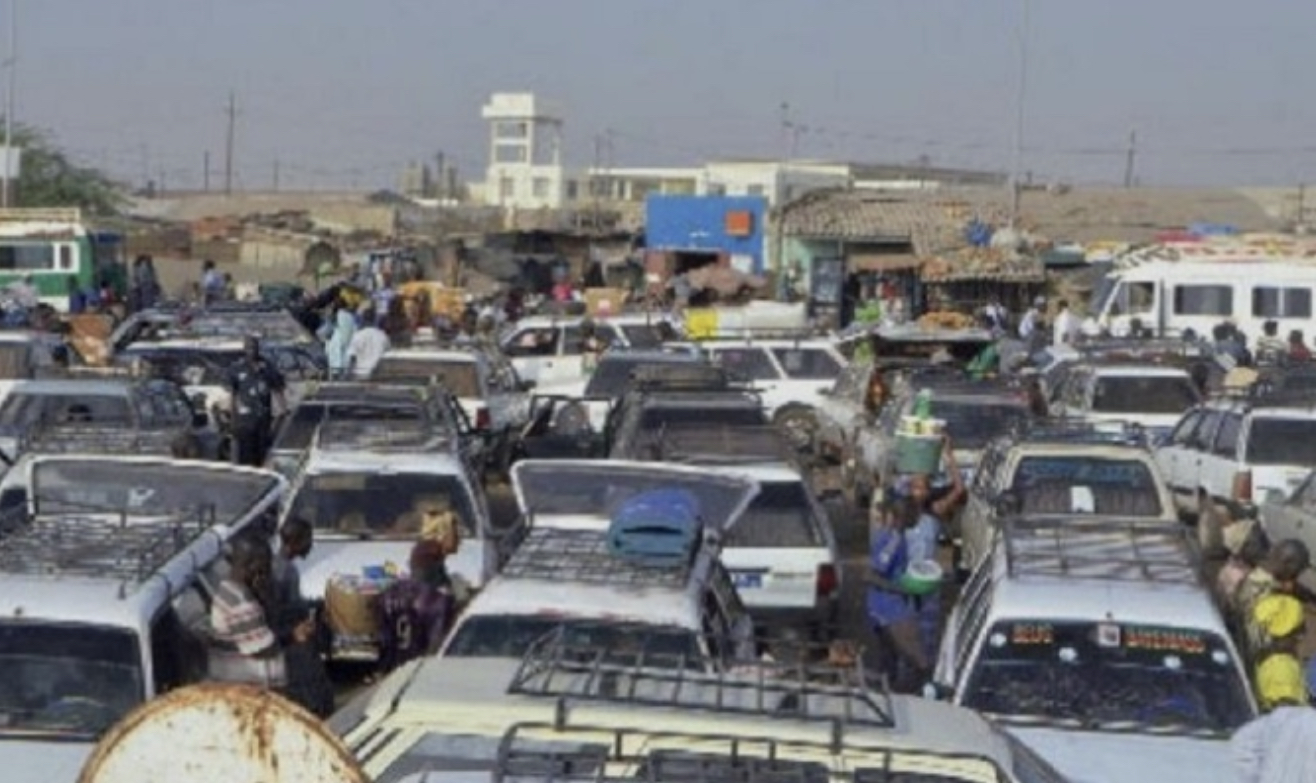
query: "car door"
976, 519
1202, 468
1173, 456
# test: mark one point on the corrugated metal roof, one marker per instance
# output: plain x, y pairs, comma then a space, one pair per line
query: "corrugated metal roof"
930, 226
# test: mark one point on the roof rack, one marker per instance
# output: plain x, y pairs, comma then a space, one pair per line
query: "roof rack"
713, 445
75, 438
365, 393
554, 666
588, 556
681, 377
1078, 431
1107, 548
379, 435
101, 544
602, 754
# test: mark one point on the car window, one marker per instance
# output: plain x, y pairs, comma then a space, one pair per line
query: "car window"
541, 341
168, 403
1143, 394
750, 364
1086, 484
1184, 431
1226, 439
1201, 438
642, 336
1305, 496
810, 364
22, 410
781, 516
1272, 440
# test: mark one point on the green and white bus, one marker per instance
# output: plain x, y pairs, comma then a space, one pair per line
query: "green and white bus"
52, 244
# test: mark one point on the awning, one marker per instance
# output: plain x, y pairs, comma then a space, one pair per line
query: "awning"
881, 262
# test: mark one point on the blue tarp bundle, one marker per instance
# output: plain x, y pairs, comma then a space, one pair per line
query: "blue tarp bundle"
659, 526
1212, 229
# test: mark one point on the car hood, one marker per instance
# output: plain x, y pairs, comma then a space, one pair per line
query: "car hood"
1094, 757
29, 761
332, 557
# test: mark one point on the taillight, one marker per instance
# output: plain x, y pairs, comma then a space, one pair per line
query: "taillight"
482, 420
1243, 485
827, 582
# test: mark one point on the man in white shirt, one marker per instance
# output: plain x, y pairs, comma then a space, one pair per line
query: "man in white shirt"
1066, 326
1279, 747
1028, 324
366, 349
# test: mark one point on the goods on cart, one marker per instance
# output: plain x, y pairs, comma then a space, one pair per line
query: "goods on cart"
945, 319
919, 438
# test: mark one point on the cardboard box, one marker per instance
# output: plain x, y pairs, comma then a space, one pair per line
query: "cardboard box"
603, 301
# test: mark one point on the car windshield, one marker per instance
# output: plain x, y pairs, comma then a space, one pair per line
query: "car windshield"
509, 635
972, 423
1148, 394
461, 377
781, 516
66, 680
299, 430
146, 487
380, 505
1279, 441
1108, 676
22, 409
1078, 484
599, 489
643, 336
613, 375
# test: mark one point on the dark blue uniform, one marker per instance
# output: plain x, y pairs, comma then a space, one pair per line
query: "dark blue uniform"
253, 385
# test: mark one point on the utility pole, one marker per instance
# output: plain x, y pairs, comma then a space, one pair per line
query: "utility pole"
440, 183
6, 191
276, 175
232, 112
1129, 158
779, 196
1021, 100
205, 171
146, 164
595, 181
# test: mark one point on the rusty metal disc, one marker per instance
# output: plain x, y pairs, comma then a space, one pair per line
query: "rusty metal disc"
222, 733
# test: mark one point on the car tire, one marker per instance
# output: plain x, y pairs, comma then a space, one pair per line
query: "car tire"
1210, 532
798, 423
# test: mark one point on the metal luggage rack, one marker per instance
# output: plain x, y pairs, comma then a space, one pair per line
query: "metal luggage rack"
1105, 548
401, 435
838, 696
364, 392
1098, 349
585, 556
1077, 431
101, 543
605, 754
679, 377
60, 438
723, 445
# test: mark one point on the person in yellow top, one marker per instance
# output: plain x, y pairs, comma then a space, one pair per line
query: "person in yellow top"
1280, 621
1276, 575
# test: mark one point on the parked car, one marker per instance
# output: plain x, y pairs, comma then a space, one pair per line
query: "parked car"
1151, 396
1229, 453
1060, 469
547, 349
1097, 644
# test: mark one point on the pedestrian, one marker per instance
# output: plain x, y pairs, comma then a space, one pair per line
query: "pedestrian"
338, 333
936, 506
891, 614
308, 682
367, 347
253, 385
415, 613
77, 297
1298, 350
1280, 746
145, 284
1270, 349
1065, 329
1278, 573
1030, 323
1280, 618
243, 647
212, 283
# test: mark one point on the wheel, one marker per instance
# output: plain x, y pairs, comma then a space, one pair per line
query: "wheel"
1210, 533
798, 425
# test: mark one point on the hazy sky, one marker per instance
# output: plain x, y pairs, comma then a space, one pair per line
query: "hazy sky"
344, 91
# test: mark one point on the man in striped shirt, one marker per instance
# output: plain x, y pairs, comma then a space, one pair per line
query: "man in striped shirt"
243, 646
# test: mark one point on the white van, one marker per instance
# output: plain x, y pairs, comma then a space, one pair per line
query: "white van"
1197, 285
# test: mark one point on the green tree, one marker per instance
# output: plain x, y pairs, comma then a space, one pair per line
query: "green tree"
48, 178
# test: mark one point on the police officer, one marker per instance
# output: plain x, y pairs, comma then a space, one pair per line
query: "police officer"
253, 382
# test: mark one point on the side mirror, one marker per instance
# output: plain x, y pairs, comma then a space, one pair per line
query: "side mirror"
937, 691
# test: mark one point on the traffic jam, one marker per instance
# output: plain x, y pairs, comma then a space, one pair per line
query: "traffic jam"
589, 540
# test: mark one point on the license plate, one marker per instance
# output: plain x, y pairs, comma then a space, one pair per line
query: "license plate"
747, 580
